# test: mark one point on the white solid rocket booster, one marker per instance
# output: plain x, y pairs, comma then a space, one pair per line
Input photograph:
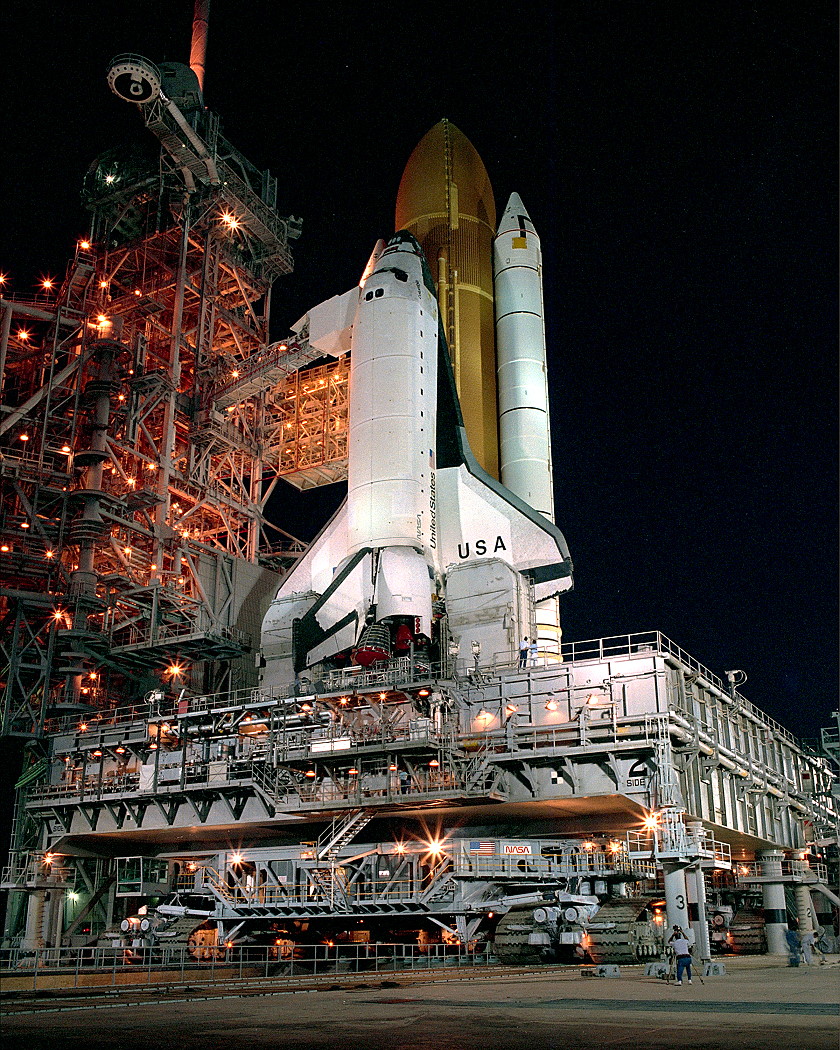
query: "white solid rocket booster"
524, 430
524, 435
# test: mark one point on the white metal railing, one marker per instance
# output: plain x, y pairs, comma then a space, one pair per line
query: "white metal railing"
150, 635
707, 847
593, 863
238, 896
367, 783
107, 717
788, 870
37, 867
575, 732
402, 673
655, 642
381, 787
142, 712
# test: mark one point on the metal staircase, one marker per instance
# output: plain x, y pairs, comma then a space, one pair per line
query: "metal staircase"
331, 883
213, 881
264, 778
340, 832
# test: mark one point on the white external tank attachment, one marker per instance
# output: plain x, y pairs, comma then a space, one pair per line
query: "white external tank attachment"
524, 429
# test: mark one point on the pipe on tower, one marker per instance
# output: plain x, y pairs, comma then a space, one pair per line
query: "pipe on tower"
198, 46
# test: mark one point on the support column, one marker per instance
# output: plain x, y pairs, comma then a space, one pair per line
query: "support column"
696, 882
54, 919
111, 900
773, 900
676, 898
805, 910
700, 923
804, 905
33, 938
823, 915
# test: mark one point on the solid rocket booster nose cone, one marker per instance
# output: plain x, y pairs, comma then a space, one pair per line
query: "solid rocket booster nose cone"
515, 217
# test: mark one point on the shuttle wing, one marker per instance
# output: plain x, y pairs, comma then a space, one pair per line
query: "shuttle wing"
478, 516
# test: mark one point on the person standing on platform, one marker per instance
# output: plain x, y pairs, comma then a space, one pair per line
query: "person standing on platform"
524, 649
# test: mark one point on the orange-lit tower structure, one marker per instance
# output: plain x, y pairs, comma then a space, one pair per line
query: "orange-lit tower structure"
445, 199
138, 445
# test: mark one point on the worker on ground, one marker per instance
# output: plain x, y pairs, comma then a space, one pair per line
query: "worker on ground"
682, 951
808, 940
794, 942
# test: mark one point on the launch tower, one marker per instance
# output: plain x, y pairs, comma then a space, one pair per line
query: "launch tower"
139, 435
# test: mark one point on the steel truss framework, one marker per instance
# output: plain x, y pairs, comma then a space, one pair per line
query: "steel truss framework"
130, 497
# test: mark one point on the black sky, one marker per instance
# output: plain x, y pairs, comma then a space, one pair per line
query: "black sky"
679, 163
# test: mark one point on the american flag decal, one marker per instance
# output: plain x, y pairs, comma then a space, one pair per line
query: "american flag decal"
483, 848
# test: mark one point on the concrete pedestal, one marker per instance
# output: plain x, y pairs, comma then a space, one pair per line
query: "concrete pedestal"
775, 909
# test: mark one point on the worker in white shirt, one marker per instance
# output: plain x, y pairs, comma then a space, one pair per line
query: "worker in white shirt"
682, 952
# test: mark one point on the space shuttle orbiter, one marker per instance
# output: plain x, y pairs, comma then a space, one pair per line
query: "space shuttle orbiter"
425, 536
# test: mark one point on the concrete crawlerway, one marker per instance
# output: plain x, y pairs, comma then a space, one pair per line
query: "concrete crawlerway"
760, 1003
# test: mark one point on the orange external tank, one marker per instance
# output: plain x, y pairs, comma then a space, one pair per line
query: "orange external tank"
446, 201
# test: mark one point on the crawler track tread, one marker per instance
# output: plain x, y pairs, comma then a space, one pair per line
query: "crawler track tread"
616, 945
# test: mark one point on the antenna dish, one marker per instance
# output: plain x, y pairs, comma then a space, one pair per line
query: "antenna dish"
134, 78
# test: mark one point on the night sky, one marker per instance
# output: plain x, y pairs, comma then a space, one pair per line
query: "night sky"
678, 162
